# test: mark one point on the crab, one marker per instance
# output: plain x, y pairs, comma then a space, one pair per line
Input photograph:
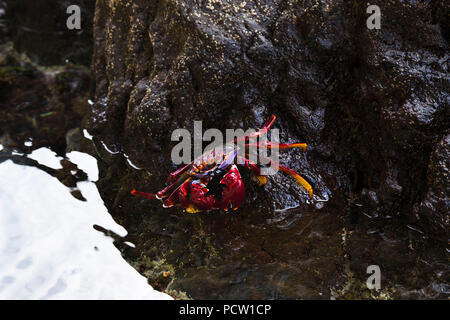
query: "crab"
213, 182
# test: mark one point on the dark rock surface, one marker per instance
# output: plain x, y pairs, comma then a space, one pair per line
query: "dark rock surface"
43, 107
371, 104
434, 206
40, 103
44, 84
39, 29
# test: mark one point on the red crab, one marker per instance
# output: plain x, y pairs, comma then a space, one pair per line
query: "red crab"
213, 181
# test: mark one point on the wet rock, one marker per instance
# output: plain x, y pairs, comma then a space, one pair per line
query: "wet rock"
371, 104
43, 107
39, 30
39, 105
317, 67
435, 206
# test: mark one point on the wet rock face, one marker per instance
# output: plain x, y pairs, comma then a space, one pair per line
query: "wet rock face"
210, 62
371, 104
40, 104
43, 108
399, 104
435, 205
39, 29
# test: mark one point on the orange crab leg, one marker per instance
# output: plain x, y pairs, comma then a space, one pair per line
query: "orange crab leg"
269, 145
300, 180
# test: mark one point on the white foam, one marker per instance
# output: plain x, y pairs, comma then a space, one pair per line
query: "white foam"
109, 150
49, 248
87, 135
85, 162
130, 244
131, 163
46, 157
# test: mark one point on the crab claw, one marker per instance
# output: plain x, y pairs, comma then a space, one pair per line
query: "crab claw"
234, 192
198, 200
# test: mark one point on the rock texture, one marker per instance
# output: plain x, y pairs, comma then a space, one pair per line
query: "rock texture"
372, 104
40, 104
39, 29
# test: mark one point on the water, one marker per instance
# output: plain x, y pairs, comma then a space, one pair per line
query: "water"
49, 248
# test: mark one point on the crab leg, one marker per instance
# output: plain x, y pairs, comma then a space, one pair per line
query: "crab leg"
143, 194
227, 161
172, 199
260, 179
177, 173
261, 131
169, 189
298, 178
269, 145
163, 193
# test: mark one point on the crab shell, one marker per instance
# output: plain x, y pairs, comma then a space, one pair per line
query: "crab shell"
193, 195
